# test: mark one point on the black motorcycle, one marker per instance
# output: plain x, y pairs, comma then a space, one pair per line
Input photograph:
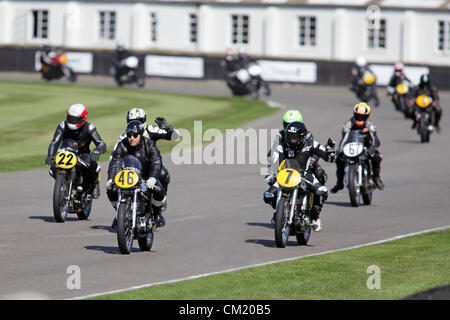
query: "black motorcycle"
129, 72
358, 171
135, 219
400, 98
248, 81
70, 191
365, 87
58, 68
423, 117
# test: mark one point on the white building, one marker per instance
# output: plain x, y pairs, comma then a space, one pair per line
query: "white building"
384, 31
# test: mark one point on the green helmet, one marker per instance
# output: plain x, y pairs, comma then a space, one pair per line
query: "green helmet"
292, 116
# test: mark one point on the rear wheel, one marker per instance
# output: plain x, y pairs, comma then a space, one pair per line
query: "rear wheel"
303, 237
145, 243
281, 223
124, 232
86, 210
353, 189
60, 204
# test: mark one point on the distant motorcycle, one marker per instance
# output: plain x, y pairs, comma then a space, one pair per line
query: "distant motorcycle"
69, 196
58, 68
400, 97
358, 170
423, 117
129, 72
248, 81
134, 213
365, 87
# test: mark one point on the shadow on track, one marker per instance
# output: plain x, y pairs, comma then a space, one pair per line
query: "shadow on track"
106, 228
110, 250
260, 224
51, 219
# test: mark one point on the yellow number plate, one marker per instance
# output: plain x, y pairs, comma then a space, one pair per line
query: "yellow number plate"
369, 79
288, 178
126, 179
66, 159
402, 88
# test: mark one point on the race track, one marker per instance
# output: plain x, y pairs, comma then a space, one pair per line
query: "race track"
216, 219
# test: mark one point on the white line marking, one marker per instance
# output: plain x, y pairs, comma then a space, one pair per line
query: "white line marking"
263, 264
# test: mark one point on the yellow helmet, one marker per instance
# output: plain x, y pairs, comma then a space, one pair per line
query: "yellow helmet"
361, 112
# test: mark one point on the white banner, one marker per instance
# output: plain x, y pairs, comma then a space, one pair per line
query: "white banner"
384, 72
170, 66
80, 62
291, 71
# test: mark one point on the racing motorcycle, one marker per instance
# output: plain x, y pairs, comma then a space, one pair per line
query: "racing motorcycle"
365, 88
357, 169
129, 72
248, 81
70, 192
135, 219
423, 117
401, 97
58, 68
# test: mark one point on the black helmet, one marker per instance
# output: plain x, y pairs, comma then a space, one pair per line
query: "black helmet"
135, 126
295, 134
424, 80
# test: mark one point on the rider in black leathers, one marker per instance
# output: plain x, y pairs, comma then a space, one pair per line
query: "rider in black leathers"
356, 78
301, 145
425, 87
397, 77
360, 121
119, 55
83, 133
148, 154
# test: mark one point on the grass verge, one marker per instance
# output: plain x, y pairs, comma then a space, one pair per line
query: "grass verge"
32, 111
407, 266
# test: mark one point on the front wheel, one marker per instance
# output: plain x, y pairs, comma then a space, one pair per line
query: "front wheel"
353, 188
124, 231
281, 223
60, 204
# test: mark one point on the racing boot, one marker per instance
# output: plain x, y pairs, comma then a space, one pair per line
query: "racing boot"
159, 219
96, 192
376, 179
339, 183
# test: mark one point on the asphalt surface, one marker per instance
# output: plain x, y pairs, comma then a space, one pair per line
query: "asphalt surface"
216, 219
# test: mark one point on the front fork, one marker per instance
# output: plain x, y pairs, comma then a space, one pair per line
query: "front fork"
133, 207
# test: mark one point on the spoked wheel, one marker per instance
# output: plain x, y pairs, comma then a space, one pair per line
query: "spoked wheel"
86, 211
124, 231
353, 189
281, 223
303, 237
60, 204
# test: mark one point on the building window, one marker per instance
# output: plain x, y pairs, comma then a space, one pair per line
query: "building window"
107, 25
307, 31
40, 24
193, 25
239, 29
153, 26
377, 35
444, 35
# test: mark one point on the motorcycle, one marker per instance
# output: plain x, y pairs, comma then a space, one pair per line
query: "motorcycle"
423, 117
129, 72
401, 98
58, 68
365, 88
248, 81
135, 219
69, 196
357, 169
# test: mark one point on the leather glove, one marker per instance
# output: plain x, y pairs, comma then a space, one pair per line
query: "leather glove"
331, 153
270, 179
150, 183
372, 151
95, 155
49, 160
109, 184
163, 124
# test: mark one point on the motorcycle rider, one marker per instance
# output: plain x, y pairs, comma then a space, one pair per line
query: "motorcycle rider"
397, 77
425, 87
144, 149
119, 55
356, 77
269, 195
359, 121
301, 145
83, 133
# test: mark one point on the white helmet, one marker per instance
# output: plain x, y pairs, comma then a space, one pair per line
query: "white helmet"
137, 114
361, 61
76, 116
